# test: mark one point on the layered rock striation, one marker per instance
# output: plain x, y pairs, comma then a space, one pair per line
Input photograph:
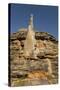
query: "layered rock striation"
40, 67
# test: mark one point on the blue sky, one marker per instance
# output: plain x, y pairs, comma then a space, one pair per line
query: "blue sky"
45, 18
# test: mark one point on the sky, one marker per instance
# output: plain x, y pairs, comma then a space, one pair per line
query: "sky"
45, 18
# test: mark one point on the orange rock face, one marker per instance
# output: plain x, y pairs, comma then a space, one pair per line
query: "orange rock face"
38, 75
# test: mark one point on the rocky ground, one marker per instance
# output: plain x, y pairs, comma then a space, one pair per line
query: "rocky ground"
30, 70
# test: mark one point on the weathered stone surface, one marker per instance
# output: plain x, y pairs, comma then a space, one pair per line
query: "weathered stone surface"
41, 66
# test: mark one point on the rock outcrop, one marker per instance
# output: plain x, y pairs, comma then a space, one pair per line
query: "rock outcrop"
31, 70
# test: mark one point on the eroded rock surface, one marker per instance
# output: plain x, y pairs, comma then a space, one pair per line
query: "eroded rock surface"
31, 70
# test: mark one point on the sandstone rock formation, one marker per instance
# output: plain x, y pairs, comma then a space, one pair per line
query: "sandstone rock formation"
41, 66
46, 62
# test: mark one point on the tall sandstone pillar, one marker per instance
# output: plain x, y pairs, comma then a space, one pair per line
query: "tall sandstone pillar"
30, 39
